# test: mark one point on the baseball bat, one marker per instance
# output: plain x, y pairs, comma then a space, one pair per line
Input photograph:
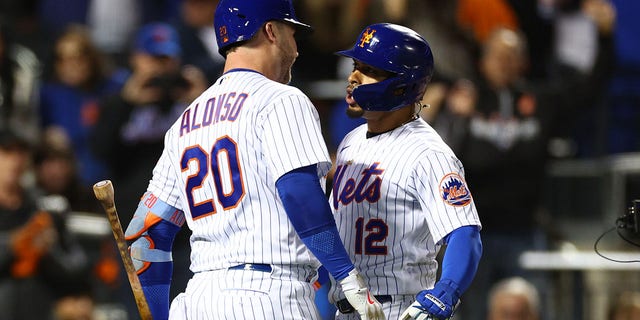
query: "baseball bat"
105, 194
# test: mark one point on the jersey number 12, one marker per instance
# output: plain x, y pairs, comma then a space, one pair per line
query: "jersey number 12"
377, 230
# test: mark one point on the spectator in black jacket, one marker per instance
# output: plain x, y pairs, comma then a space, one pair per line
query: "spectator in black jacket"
501, 127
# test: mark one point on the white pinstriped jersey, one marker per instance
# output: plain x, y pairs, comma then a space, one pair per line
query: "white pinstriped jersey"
221, 160
395, 196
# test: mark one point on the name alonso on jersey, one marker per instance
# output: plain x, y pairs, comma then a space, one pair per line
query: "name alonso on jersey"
224, 107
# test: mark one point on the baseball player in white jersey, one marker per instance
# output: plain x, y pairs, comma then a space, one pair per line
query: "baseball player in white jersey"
243, 166
399, 192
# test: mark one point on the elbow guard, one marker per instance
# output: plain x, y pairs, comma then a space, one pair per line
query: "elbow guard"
152, 230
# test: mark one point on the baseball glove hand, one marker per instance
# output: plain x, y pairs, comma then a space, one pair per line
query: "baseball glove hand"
360, 297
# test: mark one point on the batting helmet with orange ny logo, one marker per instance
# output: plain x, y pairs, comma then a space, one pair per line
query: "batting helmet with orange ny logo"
399, 50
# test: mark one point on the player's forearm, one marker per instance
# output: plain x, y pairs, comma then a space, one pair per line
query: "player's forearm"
458, 269
152, 230
310, 215
155, 276
460, 261
328, 248
156, 282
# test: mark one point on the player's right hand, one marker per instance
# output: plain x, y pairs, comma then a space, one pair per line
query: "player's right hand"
437, 303
360, 297
416, 312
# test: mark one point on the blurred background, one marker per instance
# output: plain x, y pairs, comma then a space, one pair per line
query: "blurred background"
540, 99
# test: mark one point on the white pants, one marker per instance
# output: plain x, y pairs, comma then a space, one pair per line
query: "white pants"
284, 293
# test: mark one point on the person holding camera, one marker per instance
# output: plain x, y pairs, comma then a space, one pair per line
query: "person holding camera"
130, 129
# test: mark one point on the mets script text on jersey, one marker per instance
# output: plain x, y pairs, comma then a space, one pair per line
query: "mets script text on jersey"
357, 190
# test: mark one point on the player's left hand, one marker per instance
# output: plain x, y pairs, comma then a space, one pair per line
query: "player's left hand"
360, 297
437, 303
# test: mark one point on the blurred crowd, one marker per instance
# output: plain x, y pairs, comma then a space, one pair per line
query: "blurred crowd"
88, 88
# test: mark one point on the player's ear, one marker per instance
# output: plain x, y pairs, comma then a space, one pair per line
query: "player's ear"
270, 30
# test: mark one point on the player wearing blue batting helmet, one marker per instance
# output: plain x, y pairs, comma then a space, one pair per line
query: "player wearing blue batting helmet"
237, 21
400, 51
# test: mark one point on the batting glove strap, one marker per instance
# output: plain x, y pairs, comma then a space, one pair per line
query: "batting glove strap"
360, 297
441, 300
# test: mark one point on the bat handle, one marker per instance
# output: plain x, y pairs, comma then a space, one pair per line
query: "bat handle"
104, 191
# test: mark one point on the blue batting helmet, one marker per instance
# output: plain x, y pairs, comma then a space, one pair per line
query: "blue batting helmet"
238, 20
396, 49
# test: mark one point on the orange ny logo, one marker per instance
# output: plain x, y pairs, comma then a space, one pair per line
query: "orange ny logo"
366, 37
223, 34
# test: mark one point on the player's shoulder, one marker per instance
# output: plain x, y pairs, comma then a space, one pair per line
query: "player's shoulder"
426, 152
355, 133
423, 138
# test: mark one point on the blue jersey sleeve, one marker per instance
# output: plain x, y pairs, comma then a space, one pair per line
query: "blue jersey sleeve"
309, 212
462, 256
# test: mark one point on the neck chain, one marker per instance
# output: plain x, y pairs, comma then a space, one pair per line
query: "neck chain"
415, 117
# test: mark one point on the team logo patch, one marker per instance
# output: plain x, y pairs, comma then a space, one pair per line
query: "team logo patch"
454, 190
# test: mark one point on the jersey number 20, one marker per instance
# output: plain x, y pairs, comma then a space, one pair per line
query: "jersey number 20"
208, 162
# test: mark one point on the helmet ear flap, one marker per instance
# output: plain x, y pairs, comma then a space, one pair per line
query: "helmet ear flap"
391, 94
399, 91
386, 95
